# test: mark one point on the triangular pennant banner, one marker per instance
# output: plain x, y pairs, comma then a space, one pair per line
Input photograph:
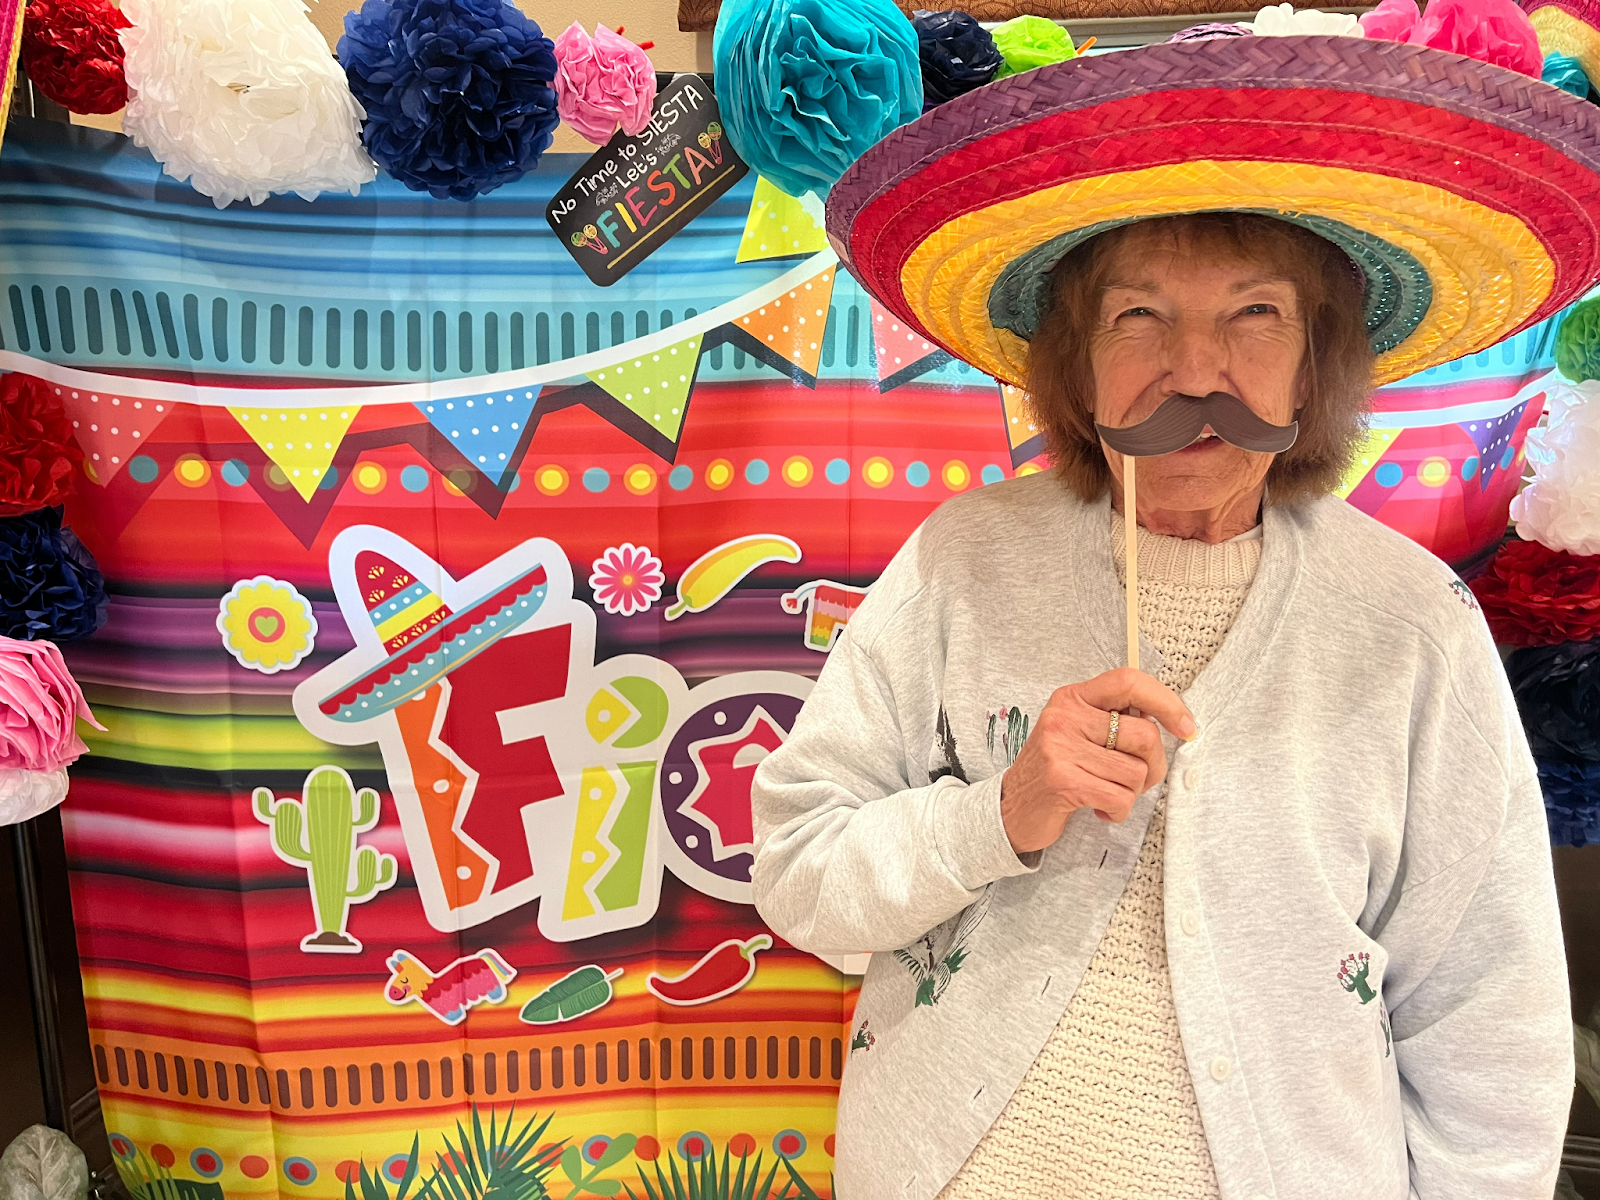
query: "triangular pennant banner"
780, 225
300, 441
110, 428
1022, 433
654, 386
1493, 440
901, 352
786, 332
487, 428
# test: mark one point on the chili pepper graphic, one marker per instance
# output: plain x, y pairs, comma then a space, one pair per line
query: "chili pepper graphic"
723, 971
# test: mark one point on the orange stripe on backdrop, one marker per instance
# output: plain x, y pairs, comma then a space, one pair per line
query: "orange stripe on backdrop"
178, 1063
304, 1017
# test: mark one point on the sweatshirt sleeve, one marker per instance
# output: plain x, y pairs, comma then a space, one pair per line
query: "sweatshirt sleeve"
853, 856
1476, 976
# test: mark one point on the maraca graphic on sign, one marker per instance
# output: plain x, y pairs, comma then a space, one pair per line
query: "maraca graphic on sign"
589, 236
711, 140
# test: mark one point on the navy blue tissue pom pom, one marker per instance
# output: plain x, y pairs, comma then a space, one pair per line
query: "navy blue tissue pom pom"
50, 587
1571, 801
457, 92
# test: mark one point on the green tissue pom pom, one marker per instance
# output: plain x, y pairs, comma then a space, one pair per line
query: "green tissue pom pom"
1028, 42
1578, 342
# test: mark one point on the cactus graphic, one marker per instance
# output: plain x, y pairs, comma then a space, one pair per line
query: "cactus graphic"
1353, 975
318, 833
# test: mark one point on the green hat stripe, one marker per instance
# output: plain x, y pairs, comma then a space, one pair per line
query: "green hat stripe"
1398, 289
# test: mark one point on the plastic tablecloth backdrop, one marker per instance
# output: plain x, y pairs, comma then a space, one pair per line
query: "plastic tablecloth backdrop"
454, 600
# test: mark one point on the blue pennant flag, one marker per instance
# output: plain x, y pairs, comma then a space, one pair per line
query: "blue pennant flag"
486, 427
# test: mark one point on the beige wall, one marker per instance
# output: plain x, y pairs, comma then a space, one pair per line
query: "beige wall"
644, 21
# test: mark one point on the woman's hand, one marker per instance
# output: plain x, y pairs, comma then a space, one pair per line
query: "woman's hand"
1064, 764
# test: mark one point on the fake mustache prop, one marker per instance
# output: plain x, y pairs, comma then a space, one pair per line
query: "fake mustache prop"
1181, 419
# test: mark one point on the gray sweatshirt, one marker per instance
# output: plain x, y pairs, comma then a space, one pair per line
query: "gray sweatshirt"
1362, 931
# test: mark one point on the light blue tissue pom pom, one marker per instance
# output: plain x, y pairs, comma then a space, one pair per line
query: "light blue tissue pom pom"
1566, 73
806, 86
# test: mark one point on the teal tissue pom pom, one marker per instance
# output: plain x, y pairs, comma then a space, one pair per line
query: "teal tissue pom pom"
1578, 342
1566, 73
806, 86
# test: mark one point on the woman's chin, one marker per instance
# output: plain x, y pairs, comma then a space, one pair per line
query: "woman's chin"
1189, 481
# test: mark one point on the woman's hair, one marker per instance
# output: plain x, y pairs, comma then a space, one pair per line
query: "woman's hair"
1335, 374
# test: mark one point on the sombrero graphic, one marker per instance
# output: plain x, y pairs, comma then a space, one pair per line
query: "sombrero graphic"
1467, 194
424, 639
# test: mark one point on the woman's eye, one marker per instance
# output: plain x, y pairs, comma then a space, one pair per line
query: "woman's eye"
1258, 310
1137, 312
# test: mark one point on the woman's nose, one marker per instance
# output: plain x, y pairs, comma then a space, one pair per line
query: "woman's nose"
1196, 359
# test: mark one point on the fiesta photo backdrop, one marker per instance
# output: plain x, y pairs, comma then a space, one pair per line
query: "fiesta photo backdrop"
454, 599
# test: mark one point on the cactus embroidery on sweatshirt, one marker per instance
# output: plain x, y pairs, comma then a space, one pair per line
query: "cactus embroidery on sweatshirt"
863, 1039
1010, 727
318, 833
1352, 976
934, 958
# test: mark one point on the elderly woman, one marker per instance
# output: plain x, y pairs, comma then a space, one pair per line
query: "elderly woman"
1273, 917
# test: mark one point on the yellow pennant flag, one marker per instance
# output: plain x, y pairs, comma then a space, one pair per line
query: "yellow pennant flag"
301, 441
781, 225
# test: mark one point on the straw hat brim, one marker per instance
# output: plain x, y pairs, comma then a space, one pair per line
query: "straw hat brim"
1469, 195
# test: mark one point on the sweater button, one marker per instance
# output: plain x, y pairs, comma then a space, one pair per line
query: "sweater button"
1191, 777
1221, 1068
1191, 923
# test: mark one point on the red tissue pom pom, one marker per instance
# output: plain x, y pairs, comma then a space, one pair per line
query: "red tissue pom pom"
70, 50
1535, 596
37, 453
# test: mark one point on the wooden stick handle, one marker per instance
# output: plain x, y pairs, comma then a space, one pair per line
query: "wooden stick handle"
1130, 522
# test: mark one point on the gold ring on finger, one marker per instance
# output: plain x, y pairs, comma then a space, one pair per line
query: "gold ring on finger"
1111, 736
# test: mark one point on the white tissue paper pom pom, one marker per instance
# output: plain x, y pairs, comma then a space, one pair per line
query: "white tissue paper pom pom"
25, 794
243, 98
1561, 507
1285, 20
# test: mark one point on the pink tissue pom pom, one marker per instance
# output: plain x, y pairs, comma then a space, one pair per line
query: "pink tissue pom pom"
1392, 21
39, 706
602, 82
1493, 31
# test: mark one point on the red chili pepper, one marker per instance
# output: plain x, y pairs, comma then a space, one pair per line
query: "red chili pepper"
721, 972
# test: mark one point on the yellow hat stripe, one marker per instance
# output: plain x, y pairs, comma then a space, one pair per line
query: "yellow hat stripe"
1488, 269
409, 616
1562, 33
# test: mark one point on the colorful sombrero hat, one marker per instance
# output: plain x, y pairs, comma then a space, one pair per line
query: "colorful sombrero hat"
1469, 195
423, 637
1570, 27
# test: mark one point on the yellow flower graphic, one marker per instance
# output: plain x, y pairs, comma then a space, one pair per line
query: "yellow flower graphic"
266, 624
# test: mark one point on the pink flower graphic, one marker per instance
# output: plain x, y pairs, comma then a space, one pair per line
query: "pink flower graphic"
627, 579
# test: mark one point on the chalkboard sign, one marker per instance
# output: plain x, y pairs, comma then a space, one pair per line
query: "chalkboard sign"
636, 192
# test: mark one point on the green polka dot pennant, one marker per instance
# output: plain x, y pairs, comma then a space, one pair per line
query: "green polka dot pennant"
655, 385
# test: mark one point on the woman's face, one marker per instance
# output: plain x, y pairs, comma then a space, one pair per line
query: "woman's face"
1173, 320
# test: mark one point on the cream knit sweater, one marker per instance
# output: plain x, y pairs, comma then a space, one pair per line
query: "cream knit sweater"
1108, 1111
